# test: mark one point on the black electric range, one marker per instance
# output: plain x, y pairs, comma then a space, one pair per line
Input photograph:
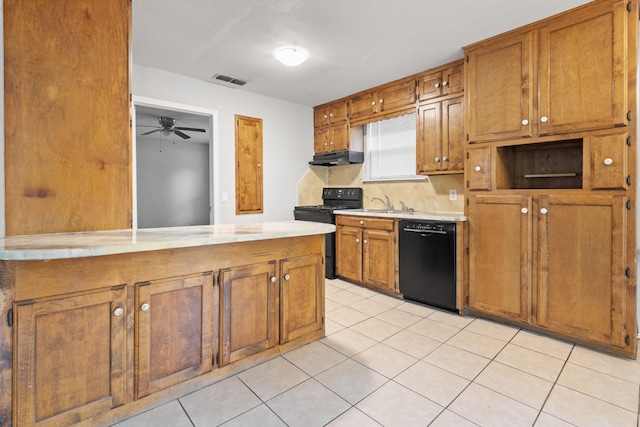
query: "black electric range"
333, 199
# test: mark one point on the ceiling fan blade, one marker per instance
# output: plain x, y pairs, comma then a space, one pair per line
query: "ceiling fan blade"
151, 131
180, 134
190, 129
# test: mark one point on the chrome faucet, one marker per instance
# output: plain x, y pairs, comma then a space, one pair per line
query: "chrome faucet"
387, 203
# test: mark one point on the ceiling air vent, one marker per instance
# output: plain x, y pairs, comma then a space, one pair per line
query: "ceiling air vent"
229, 80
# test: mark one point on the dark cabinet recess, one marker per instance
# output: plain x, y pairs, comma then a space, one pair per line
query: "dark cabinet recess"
550, 165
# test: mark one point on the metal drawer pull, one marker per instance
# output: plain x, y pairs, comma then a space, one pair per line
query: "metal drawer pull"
357, 240
477, 168
524, 210
608, 161
544, 211
273, 279
144, 307
118, 312
444, 83
544, 119
287, 277
364, 241
525, 122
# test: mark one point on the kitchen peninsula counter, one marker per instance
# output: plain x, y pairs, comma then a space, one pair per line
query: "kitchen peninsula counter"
135, 318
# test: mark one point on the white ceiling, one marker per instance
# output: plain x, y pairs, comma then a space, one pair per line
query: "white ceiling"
354, 44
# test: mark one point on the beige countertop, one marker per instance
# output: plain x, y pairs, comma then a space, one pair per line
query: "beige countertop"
110, 242
431, 216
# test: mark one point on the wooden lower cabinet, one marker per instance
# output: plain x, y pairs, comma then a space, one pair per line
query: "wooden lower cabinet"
576, 245
302, 301
69, 357
500, 255
581, 267
249, 310
366, 251
174, 324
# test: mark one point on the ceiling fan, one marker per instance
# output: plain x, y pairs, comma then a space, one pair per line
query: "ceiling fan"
168, 125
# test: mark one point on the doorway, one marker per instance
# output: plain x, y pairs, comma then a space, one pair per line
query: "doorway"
174, 164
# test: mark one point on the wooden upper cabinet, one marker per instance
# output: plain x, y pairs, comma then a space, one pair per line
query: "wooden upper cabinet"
582, 70
374, 104
576, 74
441, 81
440, 143
174, 329
327, 114
70, 357
249, 189
609, 162
72, 171
498, 86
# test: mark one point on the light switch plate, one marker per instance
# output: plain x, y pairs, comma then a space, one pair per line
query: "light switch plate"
453, 194
225, 197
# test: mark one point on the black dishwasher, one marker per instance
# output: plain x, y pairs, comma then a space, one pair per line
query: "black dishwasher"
427, 270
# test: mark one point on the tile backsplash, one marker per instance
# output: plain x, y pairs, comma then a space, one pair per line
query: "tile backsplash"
429, 195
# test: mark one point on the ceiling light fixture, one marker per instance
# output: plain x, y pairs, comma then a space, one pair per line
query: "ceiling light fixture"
291, 55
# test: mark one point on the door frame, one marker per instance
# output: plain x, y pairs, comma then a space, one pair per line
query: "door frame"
214, 169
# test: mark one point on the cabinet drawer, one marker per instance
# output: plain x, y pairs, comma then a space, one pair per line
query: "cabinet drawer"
366, 222
479, 169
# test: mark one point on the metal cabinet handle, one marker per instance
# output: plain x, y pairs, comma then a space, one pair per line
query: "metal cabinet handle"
437, 159
445, 159
544, 119
444, 83
364, 241
524, 210
357, 240
331, 115
525, 122
273, 279
544, 211
145, 307
361, 222
381, 101
477, 168
259, 165
287, 277
118, 312
437, 85
373, 102
608, 161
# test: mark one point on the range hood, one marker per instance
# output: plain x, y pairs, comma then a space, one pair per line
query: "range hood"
338, 158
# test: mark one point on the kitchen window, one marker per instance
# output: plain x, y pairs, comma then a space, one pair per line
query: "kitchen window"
390, 149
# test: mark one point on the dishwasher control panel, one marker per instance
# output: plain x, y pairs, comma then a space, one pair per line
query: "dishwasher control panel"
426, 227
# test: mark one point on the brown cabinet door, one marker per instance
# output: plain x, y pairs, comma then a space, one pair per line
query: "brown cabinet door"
609, 162
302, 296
429, 144
249, 191
69, 358
499, 89
349, 253
429, 85
500, 255
453, 134
249, 311
174, 331
321, 140
397, 96
583, 77
581, 281
479, 169
378, 259
362, 106
339, 137
453, 79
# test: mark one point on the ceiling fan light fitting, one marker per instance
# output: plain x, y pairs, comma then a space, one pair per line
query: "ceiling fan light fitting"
291, 55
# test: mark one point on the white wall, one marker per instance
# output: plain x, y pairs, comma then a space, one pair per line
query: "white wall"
172, 183
287, 137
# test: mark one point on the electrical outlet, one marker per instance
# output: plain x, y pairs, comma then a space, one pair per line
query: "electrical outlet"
453, 194
225, 197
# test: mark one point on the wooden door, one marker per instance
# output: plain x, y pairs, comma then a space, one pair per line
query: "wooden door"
249, 311
429, 144
397, 96
453, 134
499, 89
429, 85
378, 254
69, 358
479, 169
582, 262
453, 79
362, 107
583, 74
500, 255
67, 139
349, 253
249, 191
609, 162
339, 137
174, 331
302, 296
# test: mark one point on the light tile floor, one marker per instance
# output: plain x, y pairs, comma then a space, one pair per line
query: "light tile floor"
388, 362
